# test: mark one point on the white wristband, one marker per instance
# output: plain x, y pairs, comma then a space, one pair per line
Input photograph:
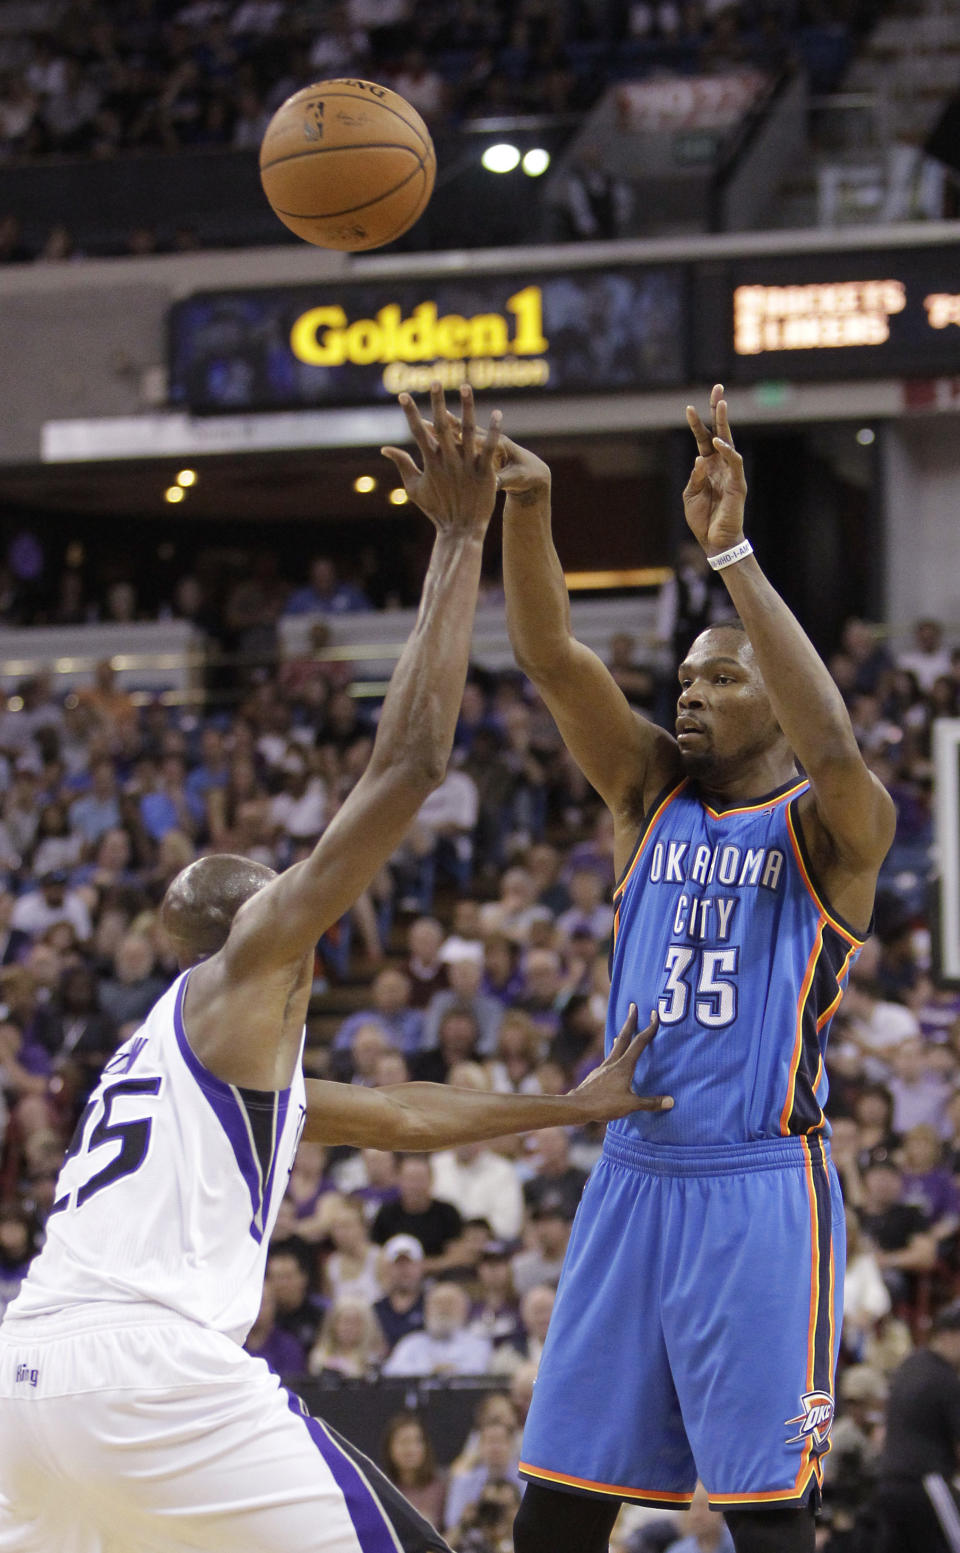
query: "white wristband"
729, 557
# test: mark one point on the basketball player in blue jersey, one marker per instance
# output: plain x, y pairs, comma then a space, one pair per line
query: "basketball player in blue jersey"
131, 1420
697, 1322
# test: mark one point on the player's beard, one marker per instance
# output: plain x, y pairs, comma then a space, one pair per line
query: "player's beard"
713, 770
703, 765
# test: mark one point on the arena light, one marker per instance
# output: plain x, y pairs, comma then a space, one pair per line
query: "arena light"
501, 158
398, 497
173, 494
187, 477
364, 484
536, 162
634, 577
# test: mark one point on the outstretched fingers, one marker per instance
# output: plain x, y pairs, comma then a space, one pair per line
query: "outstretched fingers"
406, 468
447, 432
731, 458
485, 444
633, 1052
721, 420
643, 1038
700, 431
444, 426
491, 441
468, 417
421, 433
625, 1034
698, 477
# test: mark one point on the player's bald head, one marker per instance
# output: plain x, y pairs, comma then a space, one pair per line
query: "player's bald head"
202, 901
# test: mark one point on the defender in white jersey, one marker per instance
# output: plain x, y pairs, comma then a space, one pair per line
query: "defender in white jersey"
131, 1419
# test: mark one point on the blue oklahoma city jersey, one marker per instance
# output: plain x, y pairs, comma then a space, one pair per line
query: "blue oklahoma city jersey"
712, 1232
719, 926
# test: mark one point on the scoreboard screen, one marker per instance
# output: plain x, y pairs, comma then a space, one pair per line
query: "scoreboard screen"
817, 316
587, 329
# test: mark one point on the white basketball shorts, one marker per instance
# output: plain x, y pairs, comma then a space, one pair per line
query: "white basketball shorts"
132, 1434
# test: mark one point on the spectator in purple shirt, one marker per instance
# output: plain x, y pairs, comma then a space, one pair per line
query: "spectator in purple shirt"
928, 1183
502, 978
308, 1192
370, 1178
299, 1310
936, 1008
26, 1063
265, 1340
921, 1092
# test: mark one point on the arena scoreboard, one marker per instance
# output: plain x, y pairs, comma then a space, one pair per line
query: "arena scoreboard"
818, 316
601, 329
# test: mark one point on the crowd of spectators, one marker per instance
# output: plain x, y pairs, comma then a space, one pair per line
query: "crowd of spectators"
236, 595
100, 80
479, 957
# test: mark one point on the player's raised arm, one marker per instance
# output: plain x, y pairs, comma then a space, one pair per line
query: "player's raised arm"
456, 489
423, 1117
627, 759
849, 820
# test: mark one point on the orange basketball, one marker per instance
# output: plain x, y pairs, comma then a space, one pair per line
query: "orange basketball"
347, 164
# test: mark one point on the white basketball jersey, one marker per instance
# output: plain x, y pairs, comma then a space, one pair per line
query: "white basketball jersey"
170, 1187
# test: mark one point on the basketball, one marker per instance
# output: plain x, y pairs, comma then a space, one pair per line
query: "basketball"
347, 164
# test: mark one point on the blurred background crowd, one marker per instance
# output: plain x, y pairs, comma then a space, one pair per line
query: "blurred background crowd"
101, 80
398, 1287
478, 957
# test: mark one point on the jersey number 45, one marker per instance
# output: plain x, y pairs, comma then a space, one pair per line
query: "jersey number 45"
133, 1138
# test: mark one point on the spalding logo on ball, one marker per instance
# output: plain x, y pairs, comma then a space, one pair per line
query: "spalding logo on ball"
347, 164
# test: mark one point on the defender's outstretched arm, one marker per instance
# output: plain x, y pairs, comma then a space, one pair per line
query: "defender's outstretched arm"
456, 489
422, 1117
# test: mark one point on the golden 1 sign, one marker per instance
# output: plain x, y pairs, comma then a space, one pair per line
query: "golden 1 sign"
488, 350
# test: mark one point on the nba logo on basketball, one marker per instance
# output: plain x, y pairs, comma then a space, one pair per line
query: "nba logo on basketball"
815, 1420
313, 121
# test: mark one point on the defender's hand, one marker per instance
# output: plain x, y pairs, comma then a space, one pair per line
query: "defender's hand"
523, 475
456, 487
607, 1089
716, 491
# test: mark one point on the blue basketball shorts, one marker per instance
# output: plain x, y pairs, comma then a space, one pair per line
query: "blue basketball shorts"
696, 1328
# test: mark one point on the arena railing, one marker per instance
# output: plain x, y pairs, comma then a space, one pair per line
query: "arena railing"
172, 660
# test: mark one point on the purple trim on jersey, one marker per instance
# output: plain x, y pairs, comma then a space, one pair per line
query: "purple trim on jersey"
228, 1111
283, 1103
369, 1521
